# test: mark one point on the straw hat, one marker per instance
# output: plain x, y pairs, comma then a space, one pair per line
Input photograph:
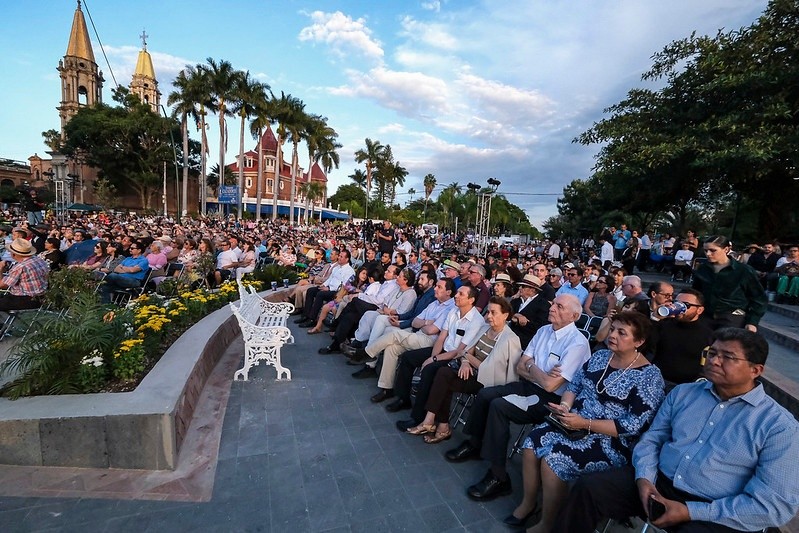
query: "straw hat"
449, 263
502, 277
21, 247
530, 280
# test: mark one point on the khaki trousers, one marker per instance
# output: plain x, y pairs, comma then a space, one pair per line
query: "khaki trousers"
394, 343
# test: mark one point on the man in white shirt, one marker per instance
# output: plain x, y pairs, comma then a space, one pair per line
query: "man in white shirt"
606, 253
226, 262
316, 297
644, 250
551, 360
460, 330
395, 342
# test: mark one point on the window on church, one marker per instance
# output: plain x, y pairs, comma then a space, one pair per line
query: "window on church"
83, 95
248, 162
249, 183
270, 186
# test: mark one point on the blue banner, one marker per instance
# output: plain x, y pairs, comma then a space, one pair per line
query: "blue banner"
229, 194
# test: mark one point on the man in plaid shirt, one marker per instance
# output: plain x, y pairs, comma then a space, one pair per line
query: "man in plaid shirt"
26, 281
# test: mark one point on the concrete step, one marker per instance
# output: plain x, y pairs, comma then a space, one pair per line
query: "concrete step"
780, 329
790, 311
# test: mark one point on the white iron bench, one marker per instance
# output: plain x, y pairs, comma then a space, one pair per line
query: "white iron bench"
261, 343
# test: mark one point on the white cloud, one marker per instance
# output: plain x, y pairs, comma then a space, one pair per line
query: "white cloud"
434, 5
342, 34
435, 35
395, 127
412, 94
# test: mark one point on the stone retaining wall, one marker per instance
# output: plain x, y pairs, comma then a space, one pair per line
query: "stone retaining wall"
143, 429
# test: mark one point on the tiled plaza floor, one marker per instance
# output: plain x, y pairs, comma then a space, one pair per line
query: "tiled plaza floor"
312, 454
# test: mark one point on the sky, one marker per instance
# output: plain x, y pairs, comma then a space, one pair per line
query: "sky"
462, 89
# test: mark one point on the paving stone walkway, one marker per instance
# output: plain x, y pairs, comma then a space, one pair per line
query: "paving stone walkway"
311, 454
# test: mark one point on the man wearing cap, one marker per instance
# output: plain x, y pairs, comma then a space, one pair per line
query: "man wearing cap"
530, 309
451, 270
128, 274
26, 281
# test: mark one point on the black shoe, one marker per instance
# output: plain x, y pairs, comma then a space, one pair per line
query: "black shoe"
488, 488
347, 349
512, 521
359, 355
365, 372
306, 323
355, 343
462, 453
405, 425
355, 362
398, 405
384, 394
329, 349
300, 320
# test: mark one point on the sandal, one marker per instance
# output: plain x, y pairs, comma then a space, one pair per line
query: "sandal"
438, 437
314, 331
422, 429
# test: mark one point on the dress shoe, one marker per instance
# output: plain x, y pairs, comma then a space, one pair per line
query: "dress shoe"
398, 405
365, 372
489, 487
355, 343
359, 355
355, 362
384, 394
462, 453
347, 349
405, 425
512, 521
328, 349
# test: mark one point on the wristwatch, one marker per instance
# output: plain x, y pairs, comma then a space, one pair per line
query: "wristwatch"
435, 358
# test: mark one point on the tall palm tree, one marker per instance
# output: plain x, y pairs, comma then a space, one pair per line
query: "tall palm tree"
311, 191
448, 200
294, 123
429, 185
358, 178
411, 192
246, 93
262, 118
371, 156
221, 82
281, 111
185, 99
322, 144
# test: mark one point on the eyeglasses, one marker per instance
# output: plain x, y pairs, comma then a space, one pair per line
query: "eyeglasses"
570, 274
602, 281
553, 276
666, 294
710, 353
686, 304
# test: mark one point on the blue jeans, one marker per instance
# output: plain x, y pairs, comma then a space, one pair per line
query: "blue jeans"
115, 281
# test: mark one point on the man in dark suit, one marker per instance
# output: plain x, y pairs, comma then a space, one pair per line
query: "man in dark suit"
530, 309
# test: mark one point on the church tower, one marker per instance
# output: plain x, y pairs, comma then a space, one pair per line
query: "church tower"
81, 80
144, 83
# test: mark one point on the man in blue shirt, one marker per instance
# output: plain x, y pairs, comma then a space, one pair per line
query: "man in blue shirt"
620, 239
574, 286
720, 455
129, 273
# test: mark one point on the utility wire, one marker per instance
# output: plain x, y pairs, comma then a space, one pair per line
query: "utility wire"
102, 48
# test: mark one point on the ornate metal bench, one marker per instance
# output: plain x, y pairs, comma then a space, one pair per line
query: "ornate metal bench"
262, 342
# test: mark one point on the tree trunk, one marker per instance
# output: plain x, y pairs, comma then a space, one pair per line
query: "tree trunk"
258, 189
241, 167
185, 127
294, 165
276, 182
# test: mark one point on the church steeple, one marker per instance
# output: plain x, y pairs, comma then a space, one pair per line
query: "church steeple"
81, 80
144, 83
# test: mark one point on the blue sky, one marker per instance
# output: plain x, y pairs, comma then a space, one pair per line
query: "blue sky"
464, 90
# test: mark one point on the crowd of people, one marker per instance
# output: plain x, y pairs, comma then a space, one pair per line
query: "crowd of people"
657, 413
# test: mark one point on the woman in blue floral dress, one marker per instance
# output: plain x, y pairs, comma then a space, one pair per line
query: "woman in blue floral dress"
612, 400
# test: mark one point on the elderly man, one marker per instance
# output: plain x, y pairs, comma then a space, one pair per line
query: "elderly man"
720, 455
461, 329
26, 280
634, 297
128, 274
316, 297
451, 270
476, 279
395, 342
551, 360
530, 309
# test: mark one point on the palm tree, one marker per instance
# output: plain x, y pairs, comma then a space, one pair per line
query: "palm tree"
448, 200
311, 191
371, 156
358, 178
263, 117
322, 144
411, 192
185, 99
295, 120
221, 82
429, 185
396, 179
246, 93
284, 111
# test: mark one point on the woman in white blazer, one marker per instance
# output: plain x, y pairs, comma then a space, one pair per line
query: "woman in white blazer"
490, 361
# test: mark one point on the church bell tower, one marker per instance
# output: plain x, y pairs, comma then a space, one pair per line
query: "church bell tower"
81, 80
144, 83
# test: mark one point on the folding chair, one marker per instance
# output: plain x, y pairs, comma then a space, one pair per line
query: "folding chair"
517, 444
461, 402
123, 296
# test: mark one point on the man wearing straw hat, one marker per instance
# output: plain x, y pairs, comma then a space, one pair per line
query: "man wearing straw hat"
26, 280
530, 309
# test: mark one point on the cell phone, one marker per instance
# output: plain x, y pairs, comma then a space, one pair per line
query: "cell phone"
656, 509
552, 409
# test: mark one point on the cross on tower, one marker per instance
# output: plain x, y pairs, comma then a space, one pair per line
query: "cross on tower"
144, 39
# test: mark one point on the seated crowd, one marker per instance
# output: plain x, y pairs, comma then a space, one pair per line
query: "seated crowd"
655, 412
660, 406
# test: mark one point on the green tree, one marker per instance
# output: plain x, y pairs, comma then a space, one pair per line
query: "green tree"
128, 143
221, 79
246, 95
429, 185
185, 100
263, 117
371, 155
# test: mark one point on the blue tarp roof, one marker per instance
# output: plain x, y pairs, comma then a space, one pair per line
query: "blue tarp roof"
284, 210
